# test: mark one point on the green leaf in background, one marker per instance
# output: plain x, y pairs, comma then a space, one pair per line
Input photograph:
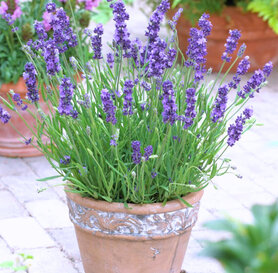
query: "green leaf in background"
250, 248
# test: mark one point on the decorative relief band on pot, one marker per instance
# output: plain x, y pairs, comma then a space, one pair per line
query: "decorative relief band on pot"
116, 223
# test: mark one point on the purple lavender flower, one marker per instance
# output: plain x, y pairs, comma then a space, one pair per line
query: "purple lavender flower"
65, 160
205, 25
268, 69
231, 44
153, 174
63, 35
28, 141
108, 106
148, 152
17, 99
169, 106
113, 141
177, 138
172, 23
196, 52
241, 50
128, 85
235, 130
96, 41
8, 18
136, 46
158, 59
155, 21
171, 56
242, 69
146, 86
50, 7
110, 59
42, 36
66, 89
190, 112
4, 116
51, 58
29, 76
220, 104
24, 107
121, 36
136, 155
40, 30
86, 102
254, 83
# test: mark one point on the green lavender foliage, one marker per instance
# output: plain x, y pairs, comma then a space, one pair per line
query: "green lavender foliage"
251, 248
107, 172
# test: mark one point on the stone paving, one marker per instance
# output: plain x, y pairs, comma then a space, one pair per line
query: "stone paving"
35, 221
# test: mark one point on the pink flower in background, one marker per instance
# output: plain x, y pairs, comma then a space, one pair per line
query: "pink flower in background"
90, 4
3, 7
46, 21
17, 13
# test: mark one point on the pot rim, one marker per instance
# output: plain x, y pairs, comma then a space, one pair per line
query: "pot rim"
138, 209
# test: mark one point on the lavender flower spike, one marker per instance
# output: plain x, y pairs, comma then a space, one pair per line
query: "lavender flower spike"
190, 112
148, 152
268, 69
29, 76
242, 69
108, 106
155, 21
253, 84
110, 59
128, 85
158, 59
205, 25
66, 93
235, 130
50, 7
51, 57
220, 104
121, 36
136, 155
4, 116
172, 23
96, 41
231, 44
197, 48
169, 105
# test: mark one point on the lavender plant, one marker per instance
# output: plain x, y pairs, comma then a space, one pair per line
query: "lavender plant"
136, 127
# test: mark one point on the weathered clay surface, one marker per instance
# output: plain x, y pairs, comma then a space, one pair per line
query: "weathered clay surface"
129, 240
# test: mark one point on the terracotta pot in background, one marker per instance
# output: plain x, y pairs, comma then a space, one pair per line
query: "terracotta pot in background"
261, 40
149, 238
11, 144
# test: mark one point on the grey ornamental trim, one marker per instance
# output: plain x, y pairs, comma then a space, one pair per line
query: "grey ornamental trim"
115, 223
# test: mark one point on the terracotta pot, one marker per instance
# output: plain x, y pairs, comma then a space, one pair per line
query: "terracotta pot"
10, 142
260, 39
149, 238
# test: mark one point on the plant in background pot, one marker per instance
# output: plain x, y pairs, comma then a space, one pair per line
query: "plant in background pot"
251, 247
138, 139
22, 15
257, 20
